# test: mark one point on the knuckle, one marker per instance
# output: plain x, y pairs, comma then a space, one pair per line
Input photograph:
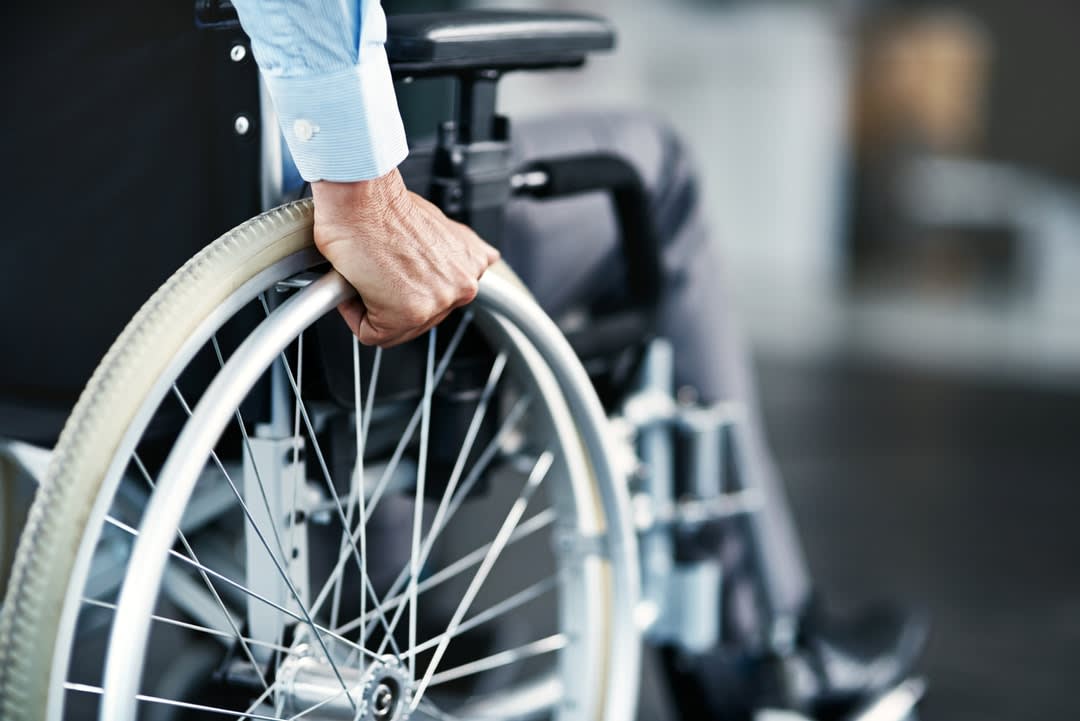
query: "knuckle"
468, 290
491, 256
438, 300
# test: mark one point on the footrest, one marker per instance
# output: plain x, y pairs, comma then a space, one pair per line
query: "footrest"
897, 704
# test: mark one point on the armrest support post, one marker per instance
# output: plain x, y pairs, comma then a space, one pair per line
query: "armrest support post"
476, 106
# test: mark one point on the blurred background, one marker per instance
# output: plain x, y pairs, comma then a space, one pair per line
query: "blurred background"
897, 185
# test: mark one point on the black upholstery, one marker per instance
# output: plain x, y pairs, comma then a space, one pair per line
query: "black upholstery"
442, 43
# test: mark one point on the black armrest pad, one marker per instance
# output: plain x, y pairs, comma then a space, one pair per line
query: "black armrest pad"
479, 39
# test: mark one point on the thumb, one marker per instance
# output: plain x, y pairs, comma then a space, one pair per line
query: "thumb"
354, 312
368, 334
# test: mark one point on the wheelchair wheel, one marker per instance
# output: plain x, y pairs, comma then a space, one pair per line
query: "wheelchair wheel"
206, 489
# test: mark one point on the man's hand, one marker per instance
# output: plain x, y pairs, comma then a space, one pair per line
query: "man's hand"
410, 263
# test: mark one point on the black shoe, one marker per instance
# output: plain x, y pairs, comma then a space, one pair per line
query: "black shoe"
838, 663
841, 662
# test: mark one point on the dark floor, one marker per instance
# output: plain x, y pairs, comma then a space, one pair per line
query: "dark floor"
962, 495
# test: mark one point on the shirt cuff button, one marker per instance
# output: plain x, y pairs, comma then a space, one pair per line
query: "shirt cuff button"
304, 129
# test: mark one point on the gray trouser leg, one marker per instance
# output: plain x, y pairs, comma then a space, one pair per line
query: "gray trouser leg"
565, 251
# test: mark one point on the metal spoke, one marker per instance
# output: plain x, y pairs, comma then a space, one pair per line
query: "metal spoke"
493, 612
414, 420
97, 690
470, 438
206, 579
297, 482
395, 459
247, 591
273, 559
355, 480
538, 522
261, 698
375, 364
418, 501
232, 484
195, 627
296, 430
356, 491
517, 510
362, 424
255, 466
478, 469
441, 516
329, 699
555, 642
361, 450
247, 447
365, 581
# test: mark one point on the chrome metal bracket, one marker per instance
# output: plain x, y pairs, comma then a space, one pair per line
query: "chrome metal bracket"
275, 479
295, 282
576, 545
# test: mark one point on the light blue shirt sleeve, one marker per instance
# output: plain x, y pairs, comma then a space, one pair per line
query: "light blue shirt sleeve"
324, 63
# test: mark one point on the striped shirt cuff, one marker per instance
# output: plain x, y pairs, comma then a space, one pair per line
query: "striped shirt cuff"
342, 126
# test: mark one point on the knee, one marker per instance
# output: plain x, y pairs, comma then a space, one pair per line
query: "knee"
652, 145
664, 163
647, 141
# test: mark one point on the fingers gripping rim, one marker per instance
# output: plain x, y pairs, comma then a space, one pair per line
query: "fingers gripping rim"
57, 521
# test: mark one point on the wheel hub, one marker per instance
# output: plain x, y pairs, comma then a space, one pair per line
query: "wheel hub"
387, 692
381, 691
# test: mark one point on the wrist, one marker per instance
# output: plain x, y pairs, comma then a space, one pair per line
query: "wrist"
364, 198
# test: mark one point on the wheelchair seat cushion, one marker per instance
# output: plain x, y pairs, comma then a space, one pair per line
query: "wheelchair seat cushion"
440, 43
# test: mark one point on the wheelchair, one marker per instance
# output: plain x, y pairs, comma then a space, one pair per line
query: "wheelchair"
210, 537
